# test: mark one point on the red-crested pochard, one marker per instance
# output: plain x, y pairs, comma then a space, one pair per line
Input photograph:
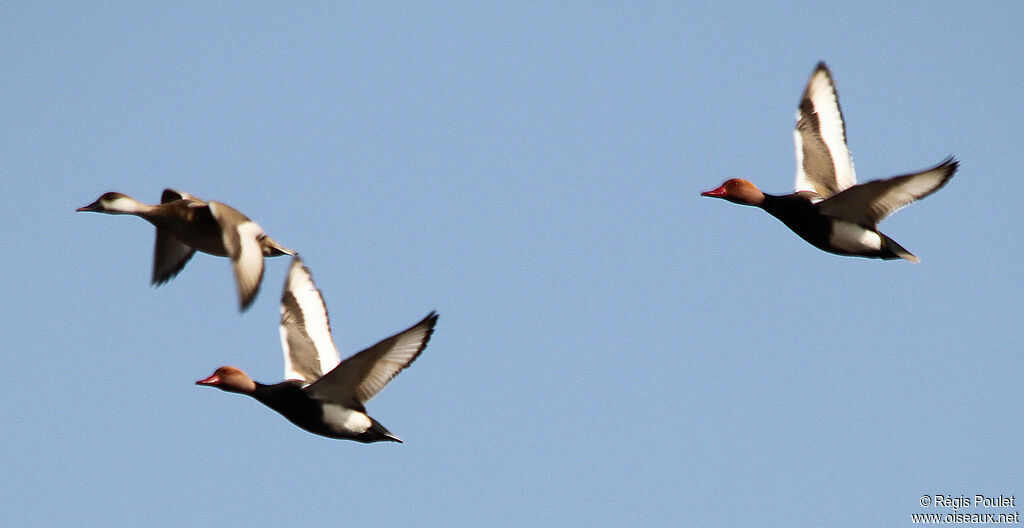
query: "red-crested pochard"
185, 224
829, 209
320, 394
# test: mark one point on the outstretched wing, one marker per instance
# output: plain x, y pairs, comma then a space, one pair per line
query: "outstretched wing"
360, 377
306, 340
823, 161
869, 203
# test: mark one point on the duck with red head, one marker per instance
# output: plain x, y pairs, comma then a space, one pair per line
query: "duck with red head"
322, 394
737, 191
828, 209
230, 379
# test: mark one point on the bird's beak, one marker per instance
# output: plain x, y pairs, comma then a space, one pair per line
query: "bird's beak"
212, 380
93, 207
715, 193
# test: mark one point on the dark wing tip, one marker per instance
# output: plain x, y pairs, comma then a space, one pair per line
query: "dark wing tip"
806, 106
246, 300
428, 322
160, 279
161, 275
949, 166
244, 304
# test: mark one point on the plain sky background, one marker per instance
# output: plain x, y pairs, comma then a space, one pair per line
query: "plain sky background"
613, 349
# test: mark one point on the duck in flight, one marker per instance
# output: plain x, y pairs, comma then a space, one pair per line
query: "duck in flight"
829, 209
321, 394
185, 224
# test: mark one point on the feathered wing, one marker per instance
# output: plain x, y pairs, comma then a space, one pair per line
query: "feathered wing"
823, 161
360, 377
241, 239
169, 257
306, 340
869, 203
169, 254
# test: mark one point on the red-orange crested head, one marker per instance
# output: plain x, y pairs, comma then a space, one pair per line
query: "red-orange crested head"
738, 191
230, 379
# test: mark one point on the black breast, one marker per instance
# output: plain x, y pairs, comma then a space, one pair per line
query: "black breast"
802, 216
291, 401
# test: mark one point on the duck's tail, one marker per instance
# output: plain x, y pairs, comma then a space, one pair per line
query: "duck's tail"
892, 250
272, 249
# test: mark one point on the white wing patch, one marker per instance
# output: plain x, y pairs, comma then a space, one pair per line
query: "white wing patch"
306, 340
803, 183
248, 262
241, 240
820, 118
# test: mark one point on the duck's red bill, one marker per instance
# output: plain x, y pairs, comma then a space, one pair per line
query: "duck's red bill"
212, 380
715, 193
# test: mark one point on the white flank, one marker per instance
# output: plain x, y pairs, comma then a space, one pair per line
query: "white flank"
343, 420
854, 238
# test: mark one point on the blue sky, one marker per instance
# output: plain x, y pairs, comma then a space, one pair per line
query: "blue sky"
613, 350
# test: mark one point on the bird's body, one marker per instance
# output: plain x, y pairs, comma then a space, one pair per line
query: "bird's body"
185, 224
829, 209
321, 394
328, 419
831, 234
